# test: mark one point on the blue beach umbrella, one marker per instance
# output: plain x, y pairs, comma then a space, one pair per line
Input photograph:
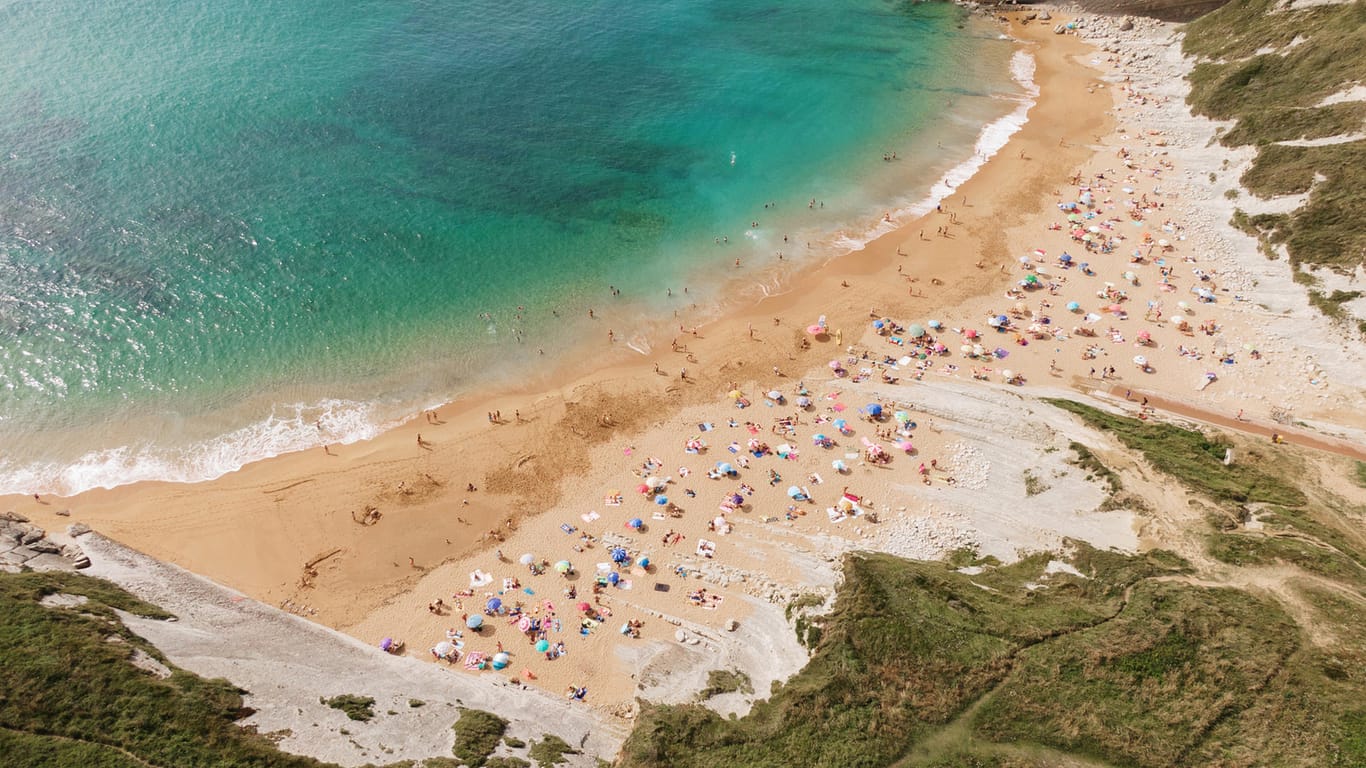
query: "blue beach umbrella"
1073, 306
542, 646
493, 604
661, 501
619, 555
613, 578
874, 410
637, 522
475, 621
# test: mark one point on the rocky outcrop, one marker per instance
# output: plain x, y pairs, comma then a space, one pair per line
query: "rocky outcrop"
1166, 10
25, 545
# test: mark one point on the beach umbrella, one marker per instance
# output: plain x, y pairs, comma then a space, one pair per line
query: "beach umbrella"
977, 350
1073, 306
1140, 361
619, 555
643, 488
662, 500
386, 644
874, 410
838, 407
1002, 320
444, 648
935, 324
1066, 258
614, 578
475, 621
1041, 272
737, 499
774, 394
838, 465
999, 353
818, 439
584, 607
840, 424
654, 482
636, 522
1088, 237
878, 324
725, 468
1130, 276
1182, 305
905, 445
994, 322
1115, 308
493, 604
915, 331
793, 492
1073, 217
1163, 243
1144, 336
1032, 279
524, 624
835, 365
563, 566
1007, 374
970, 333
527, 558
815, 330
901, 417
1177, 319
501, 659
542, 646
735, 394
803, 402
1093, 229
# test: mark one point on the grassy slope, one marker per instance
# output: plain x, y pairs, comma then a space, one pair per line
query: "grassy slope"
1273, 97
69, 696
1136, 665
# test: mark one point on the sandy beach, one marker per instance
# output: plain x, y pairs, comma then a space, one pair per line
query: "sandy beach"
1058, 269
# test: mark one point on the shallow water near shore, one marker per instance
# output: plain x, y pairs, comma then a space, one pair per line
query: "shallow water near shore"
232, 230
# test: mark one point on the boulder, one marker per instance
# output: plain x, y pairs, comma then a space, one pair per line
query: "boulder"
77, 529
1045, 16
50, 562
13, 517
1126, 25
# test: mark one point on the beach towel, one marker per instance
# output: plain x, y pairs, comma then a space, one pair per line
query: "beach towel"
835, 514
474, 660
480, 579
705, 426
567, 528
589, 517
612, 500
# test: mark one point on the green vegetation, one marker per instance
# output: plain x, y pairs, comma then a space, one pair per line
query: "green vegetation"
360, 708
721, 681
70, 696
1361, 473
506, 762
1095, 468
550, 750
513, 743
1331, 304
1034, 485
477, 734
908, 647
1195, 459
1276, 96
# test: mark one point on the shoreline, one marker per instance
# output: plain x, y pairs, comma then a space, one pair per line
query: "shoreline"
255, 512
288, 427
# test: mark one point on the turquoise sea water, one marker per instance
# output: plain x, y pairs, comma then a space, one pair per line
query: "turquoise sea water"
222, 221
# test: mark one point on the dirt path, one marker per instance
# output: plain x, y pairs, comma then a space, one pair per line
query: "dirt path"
1292, 435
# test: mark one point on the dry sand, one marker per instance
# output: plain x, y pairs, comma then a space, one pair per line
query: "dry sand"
995, 475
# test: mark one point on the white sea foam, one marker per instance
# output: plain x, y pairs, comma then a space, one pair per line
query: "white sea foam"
289, 428
992, 139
